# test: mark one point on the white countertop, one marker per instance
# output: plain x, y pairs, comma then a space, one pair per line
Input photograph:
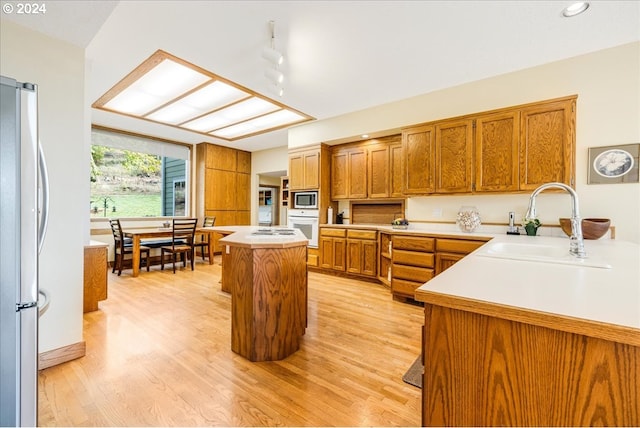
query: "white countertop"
610, 296
245, 236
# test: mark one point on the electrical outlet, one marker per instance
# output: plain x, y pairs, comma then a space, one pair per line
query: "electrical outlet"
436, 213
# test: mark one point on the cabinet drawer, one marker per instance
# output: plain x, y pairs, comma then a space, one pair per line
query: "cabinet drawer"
413, 243
413, 258
457, 245
338, 233
362, 234
404, 287
413, 273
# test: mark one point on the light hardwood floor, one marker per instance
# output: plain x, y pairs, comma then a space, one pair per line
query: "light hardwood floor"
159, 354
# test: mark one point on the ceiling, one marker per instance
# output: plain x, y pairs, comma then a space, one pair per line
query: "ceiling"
340, 56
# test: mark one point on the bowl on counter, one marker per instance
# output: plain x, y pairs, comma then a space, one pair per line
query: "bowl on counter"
592, 228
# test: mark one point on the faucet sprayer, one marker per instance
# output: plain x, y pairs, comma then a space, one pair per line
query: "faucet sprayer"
576, 241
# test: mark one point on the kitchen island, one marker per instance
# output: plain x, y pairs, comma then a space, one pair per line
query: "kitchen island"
533, 343
266, 273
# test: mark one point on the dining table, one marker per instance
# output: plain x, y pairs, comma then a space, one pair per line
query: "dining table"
138, 235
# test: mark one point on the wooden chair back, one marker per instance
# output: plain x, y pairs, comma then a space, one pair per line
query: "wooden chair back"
209, 221
184, 230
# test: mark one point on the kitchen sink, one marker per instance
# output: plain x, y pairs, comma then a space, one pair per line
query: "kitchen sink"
541, 253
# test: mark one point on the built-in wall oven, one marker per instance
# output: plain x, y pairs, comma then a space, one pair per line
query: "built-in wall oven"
307, 222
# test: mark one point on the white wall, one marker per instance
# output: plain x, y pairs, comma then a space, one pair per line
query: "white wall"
264, 161
608, 110
58, 68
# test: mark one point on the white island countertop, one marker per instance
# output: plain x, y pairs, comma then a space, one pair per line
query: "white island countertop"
594, 301
260, 237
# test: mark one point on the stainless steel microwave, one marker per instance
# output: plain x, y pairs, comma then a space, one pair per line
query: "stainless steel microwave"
307, 200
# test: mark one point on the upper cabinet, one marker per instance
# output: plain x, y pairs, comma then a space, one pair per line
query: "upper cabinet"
367, 170
304, 169
419, 155
496, 149
454, 156
349, 173
547, 143
507, 150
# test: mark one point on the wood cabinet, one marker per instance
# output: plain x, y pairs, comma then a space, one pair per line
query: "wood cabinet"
450, 251
396, 173
349, 173
418, 154
223, 185
454, 156
485, 368
95, 275
412, 262
333, 245
384, 259
304, 169
514, 149
547, 144
362, 251
367, 170
352, 251
497, 139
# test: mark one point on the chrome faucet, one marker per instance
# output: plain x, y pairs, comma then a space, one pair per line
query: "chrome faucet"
576, 242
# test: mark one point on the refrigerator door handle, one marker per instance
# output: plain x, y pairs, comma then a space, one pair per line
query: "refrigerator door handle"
44, 214
43, 303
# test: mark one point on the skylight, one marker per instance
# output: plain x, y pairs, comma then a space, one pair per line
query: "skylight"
168, 90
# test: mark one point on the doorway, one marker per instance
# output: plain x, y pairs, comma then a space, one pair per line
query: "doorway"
268, 206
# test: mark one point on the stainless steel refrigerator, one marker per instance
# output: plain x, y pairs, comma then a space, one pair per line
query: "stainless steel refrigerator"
23, 219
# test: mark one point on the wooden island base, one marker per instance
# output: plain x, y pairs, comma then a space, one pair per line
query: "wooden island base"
268, 285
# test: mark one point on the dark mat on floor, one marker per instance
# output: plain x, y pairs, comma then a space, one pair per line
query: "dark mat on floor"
413, 376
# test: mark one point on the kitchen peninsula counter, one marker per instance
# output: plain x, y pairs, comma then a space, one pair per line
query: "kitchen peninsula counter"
510, 342
265, 271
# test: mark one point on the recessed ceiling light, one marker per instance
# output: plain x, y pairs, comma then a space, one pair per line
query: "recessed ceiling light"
575, 9
168, 90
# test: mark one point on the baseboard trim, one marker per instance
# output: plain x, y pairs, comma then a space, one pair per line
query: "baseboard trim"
61, 355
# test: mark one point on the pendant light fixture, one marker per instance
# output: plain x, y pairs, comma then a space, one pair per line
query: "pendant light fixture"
275, 58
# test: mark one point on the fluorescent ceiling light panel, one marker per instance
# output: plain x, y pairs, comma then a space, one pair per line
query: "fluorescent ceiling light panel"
168, 90
255, 126
208, 98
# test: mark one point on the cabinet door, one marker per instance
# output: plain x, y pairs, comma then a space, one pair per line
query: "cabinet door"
311, 170
395, 173
244, 162
296, 171
369, 254
496, 151
243, 192
354, 256
378, 169
339, 254
357, 170
547, 144
454, 156
326, 252
339, 173
445, 260
217, 194
419, 160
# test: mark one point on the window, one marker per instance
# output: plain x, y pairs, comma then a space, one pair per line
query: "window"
136, 176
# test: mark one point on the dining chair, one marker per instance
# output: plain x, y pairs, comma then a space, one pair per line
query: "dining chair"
181, 242
204, 243
123, 246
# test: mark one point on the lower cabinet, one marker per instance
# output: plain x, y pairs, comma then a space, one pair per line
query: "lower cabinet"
352, 251
412, 262
95, 275
333, 248
362, 250
449, 251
